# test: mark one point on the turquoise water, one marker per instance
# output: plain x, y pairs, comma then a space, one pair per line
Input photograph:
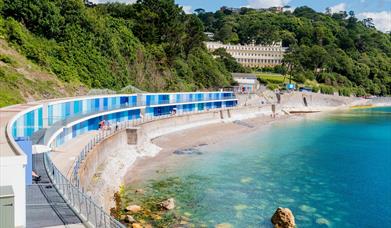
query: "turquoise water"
332, 172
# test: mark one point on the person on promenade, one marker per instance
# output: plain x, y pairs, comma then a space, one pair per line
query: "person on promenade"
116, 126
108, 125
102, 125
36, 177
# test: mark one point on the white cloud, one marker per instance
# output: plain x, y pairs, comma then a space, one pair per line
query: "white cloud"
257, 4
120, 1
187, 9
382, 20
338, 8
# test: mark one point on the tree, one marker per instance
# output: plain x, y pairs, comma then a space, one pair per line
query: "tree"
160, 22
368, 22
41, 16
194, 33
199, 11
226, 35
229, 62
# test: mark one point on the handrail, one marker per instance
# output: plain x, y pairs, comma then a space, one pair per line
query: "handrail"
67, 119
80, 202
74, 176
88, 211
58, 126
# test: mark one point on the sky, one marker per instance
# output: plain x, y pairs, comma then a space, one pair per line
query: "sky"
378, 10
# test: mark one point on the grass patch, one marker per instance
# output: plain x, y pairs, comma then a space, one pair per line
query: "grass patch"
6, 59
274, 78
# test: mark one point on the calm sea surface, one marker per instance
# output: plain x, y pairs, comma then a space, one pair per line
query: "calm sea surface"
332, 172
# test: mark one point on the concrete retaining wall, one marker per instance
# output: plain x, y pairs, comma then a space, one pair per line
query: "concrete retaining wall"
314, 100
147, 131
99, 154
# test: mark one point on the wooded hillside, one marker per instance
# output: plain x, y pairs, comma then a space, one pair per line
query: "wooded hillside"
335, 49
152, 45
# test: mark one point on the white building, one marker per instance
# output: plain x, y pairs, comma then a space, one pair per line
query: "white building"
247, 83
252, 55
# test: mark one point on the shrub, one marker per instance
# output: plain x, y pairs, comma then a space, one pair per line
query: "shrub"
272, 86
299, 77
263, 81
6, 59
344, 91
326, 89
309, 75
359, 91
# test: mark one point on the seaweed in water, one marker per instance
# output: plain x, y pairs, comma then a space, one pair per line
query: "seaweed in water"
188, 151
187, 192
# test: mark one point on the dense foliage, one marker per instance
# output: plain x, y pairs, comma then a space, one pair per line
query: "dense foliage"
335, 49
152, 44
229, 62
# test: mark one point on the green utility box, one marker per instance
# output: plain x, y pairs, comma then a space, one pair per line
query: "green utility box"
7, 216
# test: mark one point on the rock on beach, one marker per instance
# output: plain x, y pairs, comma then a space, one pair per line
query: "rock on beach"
133, 208
283, 218
168, 204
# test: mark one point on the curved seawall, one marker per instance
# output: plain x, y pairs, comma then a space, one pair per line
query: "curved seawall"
55, 122
103, 171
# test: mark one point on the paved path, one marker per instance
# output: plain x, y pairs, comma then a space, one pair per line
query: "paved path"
6, 115
64, 156
45, 206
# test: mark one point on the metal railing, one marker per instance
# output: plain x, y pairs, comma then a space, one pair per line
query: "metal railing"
88, 211
62, 120
141, 103
188, 100
103, 134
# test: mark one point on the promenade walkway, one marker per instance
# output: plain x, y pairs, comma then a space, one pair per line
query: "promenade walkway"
44, 205
64, 156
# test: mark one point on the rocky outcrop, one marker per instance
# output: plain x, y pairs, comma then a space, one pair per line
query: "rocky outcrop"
168, 204
283, 218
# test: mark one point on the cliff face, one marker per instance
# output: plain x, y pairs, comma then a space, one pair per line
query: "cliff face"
23, 81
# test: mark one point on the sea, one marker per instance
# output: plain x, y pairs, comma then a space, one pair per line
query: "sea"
331, 171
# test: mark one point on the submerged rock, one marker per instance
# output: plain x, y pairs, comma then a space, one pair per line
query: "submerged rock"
323, 221
188, 151
307, 209
168, 204
140, 191
224, 225
283, 218
133, 208
130, 219
137, 225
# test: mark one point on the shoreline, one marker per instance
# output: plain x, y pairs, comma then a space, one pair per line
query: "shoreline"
178, 143
138, 164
